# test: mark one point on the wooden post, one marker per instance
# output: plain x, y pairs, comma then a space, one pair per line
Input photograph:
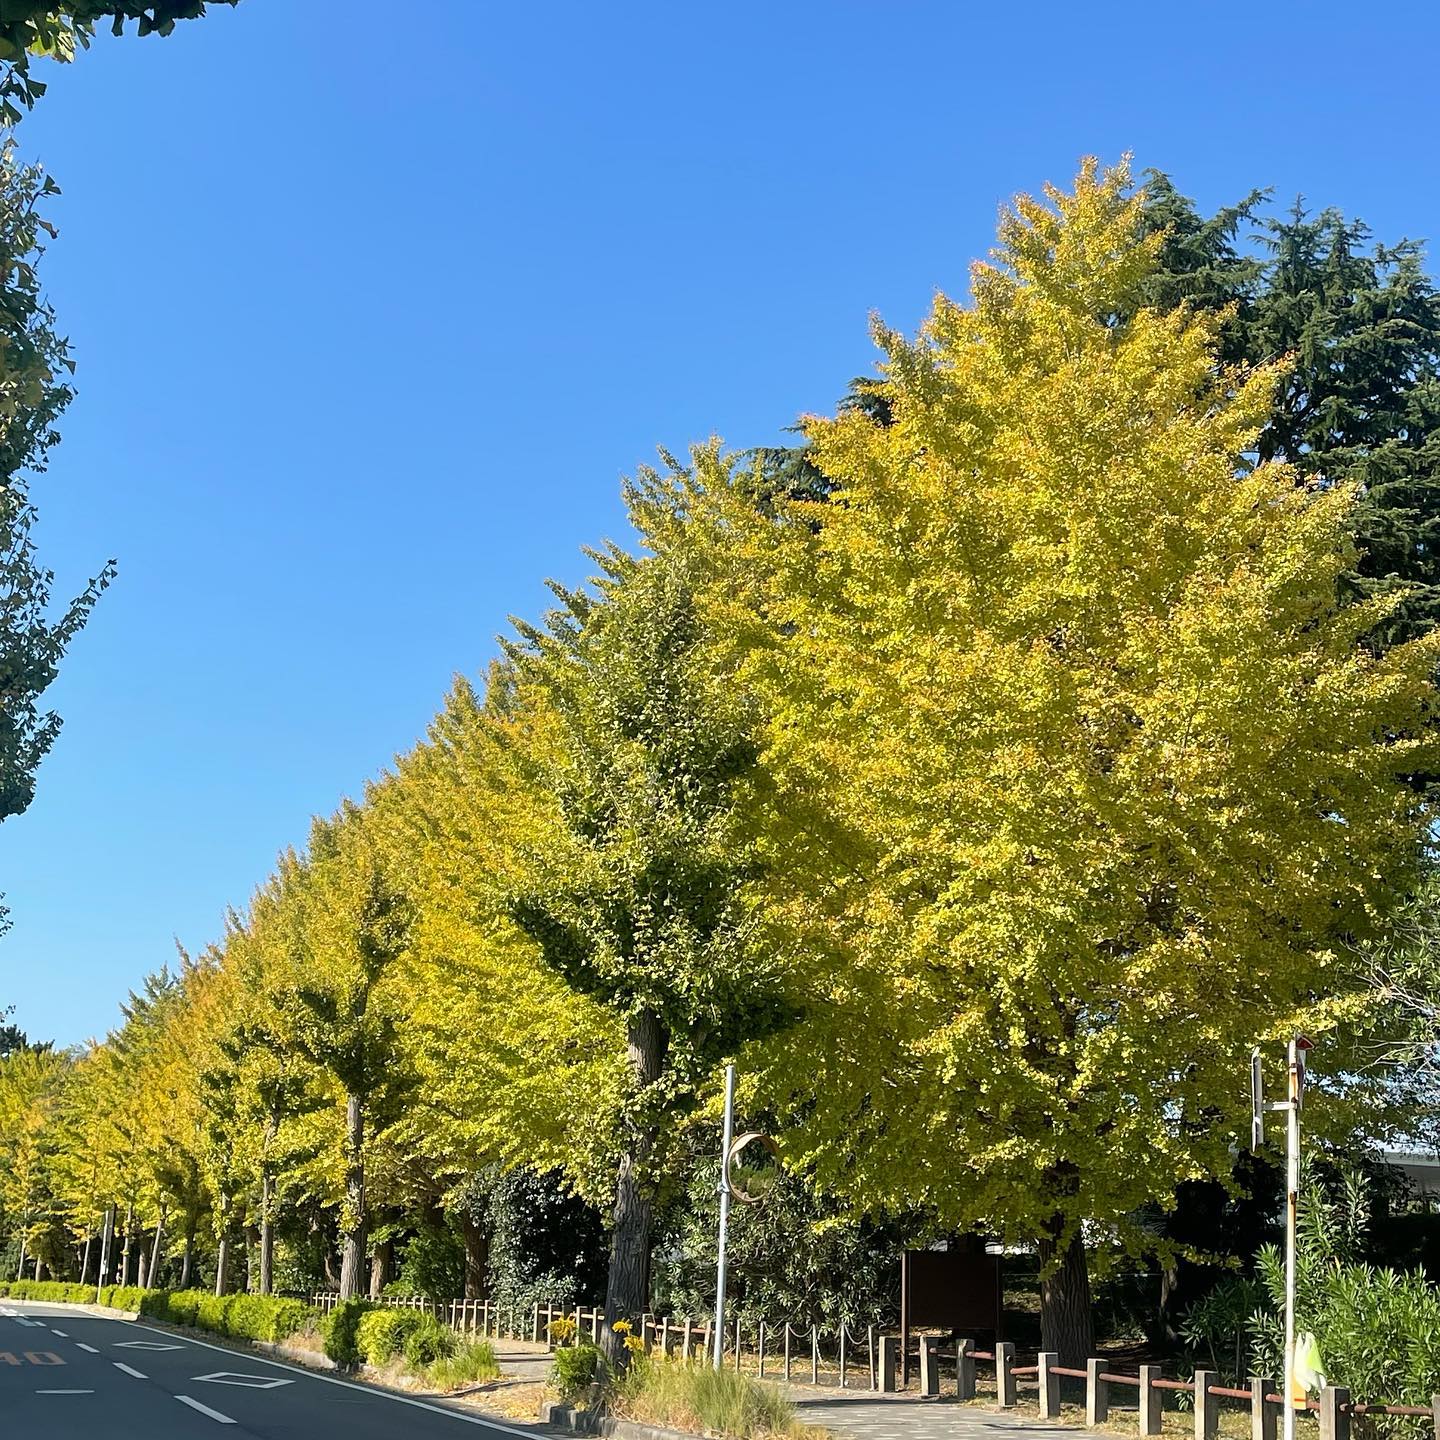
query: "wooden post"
870, 1355
1005, 1373
737, 1342
1435, 1413
685, 1340
1335, 1413
842, 1354
889, 1370
965, 1369
930, 1365
814, 1354
762, 1349
1045, 1362
1097, 1394
1263, 1417
1151, 1407
787, 1350
1207, 1406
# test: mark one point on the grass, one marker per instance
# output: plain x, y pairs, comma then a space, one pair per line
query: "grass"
472, 1363
693, 1396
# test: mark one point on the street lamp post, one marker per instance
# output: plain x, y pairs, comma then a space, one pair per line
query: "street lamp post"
725, 1144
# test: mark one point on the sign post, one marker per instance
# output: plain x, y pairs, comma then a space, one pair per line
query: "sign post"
1294, 1098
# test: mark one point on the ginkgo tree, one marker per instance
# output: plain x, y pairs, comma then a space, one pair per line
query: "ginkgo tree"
1084, 778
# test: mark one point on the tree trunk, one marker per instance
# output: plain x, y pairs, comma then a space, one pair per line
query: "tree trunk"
129, 1243
155, 1250
1067, 1318
142, 1278
353, 1261
222, 1258
222, 1266
267, 1235
189, 1258
252, 1258
107, 1234
477, 1258
626, 1290
381, 1263
24, 1236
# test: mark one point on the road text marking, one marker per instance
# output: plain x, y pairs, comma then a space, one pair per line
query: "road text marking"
43, 1357
205, 1410
121, 1365
454, 1414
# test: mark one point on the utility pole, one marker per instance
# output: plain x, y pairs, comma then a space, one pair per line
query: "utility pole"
1294, 1098
724, 1187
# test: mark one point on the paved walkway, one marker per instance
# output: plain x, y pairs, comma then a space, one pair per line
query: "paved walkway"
520, 1360
870, 1416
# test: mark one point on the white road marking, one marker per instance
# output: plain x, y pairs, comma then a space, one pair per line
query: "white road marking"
90, 1348
246, 1382
121, 1365
144, 1345
205, 1410
64, 1392
60, 1333
363, 1389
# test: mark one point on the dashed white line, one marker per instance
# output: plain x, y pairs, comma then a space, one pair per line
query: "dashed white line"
89, 1349
129, 1370
205, 1410
60, 1333
64, 1392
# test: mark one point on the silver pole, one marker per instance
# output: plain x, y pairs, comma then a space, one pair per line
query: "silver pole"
725, 1217
1292, 1210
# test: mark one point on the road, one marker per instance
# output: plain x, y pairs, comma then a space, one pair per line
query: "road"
66, 1375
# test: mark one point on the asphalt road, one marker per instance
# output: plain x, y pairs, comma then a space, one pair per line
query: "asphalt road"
65, 1375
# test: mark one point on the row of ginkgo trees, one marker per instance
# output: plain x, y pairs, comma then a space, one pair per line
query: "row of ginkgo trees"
986, 800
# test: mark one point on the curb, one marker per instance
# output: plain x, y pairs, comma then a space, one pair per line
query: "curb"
586, 1422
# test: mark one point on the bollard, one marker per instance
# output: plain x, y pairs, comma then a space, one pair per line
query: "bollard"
889, 1355
1334, 1413
1005, 1374
929, 1364
1150, 1407
965, 1369
1207, 1406
1049, 1384
1263, 1417
1097, 1394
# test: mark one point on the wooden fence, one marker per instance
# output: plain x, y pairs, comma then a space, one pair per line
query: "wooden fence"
849, 1358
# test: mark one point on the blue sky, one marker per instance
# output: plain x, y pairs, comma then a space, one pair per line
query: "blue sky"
372, 314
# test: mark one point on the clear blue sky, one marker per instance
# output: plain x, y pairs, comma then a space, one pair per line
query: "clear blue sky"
374, 304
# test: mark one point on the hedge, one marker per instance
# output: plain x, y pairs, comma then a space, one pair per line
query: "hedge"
245, 1317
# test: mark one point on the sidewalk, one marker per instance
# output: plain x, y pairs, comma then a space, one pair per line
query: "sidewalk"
866, 1415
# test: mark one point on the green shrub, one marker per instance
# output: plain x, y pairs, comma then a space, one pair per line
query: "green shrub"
182, 1307
574, 1371
471, 1362
383, 1333
265, 1317
428, 1342
338, 1332
53, 1291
